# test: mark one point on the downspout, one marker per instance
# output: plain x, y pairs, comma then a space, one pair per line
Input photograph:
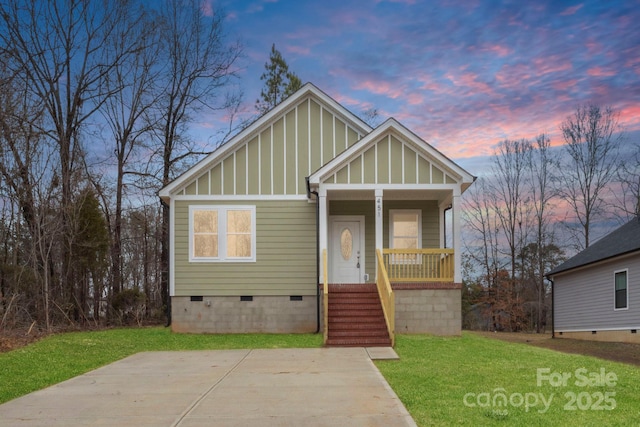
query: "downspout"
309, 193
168, 313
553, 324
444, 224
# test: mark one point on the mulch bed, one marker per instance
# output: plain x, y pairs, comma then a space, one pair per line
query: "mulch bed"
615, 351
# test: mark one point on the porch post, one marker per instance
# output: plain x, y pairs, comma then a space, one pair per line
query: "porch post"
379, 223
322, 227
457, 241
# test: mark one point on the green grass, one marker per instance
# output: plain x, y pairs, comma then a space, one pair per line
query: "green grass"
432, 377
63, 356
434, 374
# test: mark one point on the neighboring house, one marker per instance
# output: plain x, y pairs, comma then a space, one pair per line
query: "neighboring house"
596, 294
250, 225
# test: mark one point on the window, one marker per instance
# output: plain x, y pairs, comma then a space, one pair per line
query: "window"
405, 233
621, 294
405, 229
222, 233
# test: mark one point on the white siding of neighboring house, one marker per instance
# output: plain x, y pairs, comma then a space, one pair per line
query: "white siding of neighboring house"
584, 298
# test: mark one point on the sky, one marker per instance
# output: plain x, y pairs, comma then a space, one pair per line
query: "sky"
462, 74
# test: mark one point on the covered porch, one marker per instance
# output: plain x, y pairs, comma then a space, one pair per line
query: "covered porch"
388, 211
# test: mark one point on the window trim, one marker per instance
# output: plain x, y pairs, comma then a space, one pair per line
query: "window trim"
626, 276
222, 232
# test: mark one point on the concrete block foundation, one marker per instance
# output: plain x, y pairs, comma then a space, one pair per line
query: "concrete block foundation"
262, 314
428, 308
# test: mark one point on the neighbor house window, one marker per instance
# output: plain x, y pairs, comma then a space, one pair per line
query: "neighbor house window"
621, 290
405, 230
222, 233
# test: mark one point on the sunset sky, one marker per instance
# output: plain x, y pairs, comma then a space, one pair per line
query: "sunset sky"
462, 74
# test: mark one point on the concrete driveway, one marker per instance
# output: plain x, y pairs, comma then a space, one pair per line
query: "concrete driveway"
281, 387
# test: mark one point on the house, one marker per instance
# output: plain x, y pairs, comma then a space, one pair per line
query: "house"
596, 294
310, 204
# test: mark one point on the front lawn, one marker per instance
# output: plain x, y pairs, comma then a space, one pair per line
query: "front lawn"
475, 381
469, 380
59, 357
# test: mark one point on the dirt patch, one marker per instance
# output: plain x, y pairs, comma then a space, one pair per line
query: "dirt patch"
615, 351
11, 340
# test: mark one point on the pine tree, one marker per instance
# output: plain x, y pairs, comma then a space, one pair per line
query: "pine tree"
280, 83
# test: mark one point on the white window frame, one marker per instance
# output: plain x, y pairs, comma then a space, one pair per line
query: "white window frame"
626, 275
222, 233
393, 212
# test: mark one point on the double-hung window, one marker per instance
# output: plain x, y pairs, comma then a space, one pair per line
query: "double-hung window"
621, 299
222, 233
405, 230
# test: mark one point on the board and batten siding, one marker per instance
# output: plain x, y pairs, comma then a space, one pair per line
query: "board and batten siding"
584, 298
390, 161
285, 253
276, 159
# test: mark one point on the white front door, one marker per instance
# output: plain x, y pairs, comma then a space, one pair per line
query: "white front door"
347, 249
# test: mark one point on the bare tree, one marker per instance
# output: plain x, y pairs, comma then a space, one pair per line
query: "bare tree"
58, 49
540, 166
592, 137
509, 190
199, 65
131, 84
628, 199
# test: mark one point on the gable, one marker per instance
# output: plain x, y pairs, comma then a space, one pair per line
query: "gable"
391, 160
274, 155
391, 154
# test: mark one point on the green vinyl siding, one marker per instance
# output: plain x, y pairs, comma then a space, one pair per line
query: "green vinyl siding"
216, 182
369, 157
203, 183
437, 176
396, 160
278, 157
228, 175
253, 169
241, 170
355, 171
383, 161
290, 163
327, 136
285, 254
265, 162
410, 176
316, 143
341, 137
424, 171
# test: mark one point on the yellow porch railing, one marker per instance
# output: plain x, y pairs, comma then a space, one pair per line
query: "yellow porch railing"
387, 298
325, 295
419, 265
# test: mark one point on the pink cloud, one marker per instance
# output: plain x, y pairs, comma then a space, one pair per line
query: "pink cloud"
387, 89
564, 85
600, 72
470, 80
206, 6
298, 50
551, 64
571, 10
499, 50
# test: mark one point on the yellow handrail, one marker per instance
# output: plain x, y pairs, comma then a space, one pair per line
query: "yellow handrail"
387, 297
325, 295
419, 265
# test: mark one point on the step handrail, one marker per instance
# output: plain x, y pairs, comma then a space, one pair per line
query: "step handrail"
387, 297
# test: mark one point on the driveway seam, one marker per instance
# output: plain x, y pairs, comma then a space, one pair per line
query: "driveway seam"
195, 404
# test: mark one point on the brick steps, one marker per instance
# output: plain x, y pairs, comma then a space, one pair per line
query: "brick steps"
356, 318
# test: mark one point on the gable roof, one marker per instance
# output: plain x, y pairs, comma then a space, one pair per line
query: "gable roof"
623, 240
308, 90
394, 127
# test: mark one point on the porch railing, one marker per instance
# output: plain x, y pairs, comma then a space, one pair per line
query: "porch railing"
387, 298
325, 295
419, 265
